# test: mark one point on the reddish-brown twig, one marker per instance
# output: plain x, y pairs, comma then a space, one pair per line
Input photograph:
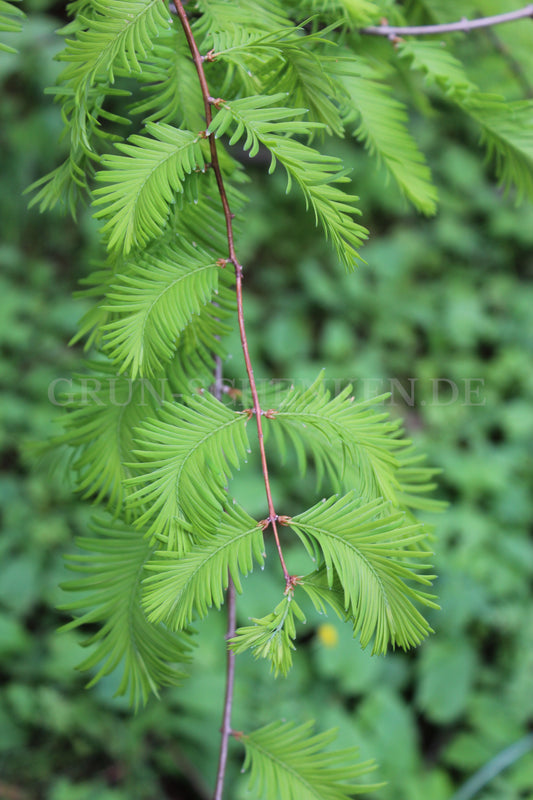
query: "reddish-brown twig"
228, 216
209, 101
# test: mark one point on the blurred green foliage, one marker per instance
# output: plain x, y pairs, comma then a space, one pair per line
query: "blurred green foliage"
446, 299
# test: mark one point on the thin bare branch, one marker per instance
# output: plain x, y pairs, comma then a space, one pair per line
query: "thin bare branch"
228, 699
463, 26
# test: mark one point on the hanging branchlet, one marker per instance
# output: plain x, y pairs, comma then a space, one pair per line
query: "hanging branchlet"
176, 544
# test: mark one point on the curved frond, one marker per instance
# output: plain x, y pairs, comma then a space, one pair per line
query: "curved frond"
271, 636
104, 410
203, 221
236, 42
222, 15
166, 99
354, 441
293, 763
110, 577
505, 127
191, 369
507, 133
316, 174
438, 65
141, 185
374, 559
10, 21
354, 12
185, 457
153, 300
95, 286
179, 587
302, 76
65, 185
323, 592
381, 124
114, 36
416, 481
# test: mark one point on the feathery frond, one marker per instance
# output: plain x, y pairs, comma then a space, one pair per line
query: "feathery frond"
415, 481
505, 127
169, 85
351, 435
321, 591
438, 66
355, 12
141, 185
221, 15
65, 185
116, 35
301, 75
381, 124
95, 286
271, 636
507, 133
315, 173
201, 221
110, 578
191, 369
372, 556
182, 586
291, 762
152, 301
185, 457
235, 42
104, 410
10, 21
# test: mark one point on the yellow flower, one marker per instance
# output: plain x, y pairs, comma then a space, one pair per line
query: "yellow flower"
328, 635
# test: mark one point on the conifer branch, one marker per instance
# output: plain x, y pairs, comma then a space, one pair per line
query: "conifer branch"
463, 26
230, 596
209, 101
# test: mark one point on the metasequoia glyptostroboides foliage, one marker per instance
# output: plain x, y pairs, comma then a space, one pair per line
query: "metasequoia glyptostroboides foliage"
193, 79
